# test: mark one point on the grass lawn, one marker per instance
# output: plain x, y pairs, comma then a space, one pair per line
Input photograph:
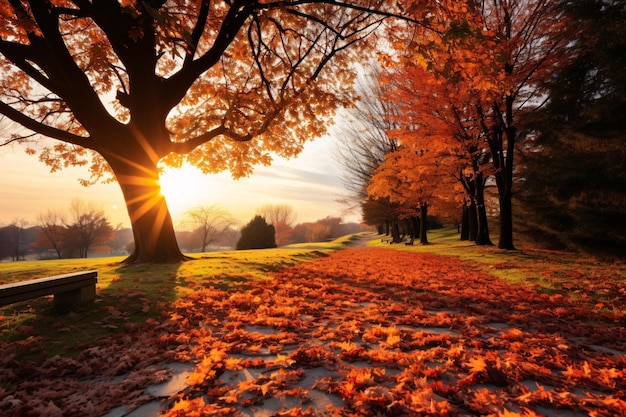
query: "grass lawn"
442, 329
130, 295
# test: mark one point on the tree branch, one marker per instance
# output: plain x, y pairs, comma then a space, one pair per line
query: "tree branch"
41, 128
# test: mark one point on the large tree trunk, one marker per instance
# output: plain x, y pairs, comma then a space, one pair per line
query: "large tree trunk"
153, 230
415, 222
506, 193
504, 174
473, 221
424, 223
395, 231
482, 235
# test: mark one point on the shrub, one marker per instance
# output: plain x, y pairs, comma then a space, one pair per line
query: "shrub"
257, 235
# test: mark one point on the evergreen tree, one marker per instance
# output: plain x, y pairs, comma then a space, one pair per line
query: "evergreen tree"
575, 179
257, 235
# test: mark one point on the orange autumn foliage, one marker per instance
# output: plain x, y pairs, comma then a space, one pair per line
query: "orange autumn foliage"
385, 331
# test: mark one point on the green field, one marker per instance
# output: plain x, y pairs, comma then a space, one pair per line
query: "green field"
130, 295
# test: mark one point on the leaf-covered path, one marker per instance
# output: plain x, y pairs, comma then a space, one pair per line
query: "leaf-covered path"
363, 331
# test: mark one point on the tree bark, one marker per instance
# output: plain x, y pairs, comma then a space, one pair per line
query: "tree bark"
153, 229
473, 221
424, 223
415, 222
506, 221
482, 235
395, 231
504, 175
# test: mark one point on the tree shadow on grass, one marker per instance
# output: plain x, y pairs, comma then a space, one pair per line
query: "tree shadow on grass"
127, 296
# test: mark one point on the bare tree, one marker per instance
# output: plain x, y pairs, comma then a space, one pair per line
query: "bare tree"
364, 136
282, 217
211, 222
53, 231
89, 227
363, 146
15, 238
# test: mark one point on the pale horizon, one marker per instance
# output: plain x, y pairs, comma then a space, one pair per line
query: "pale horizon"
310, 184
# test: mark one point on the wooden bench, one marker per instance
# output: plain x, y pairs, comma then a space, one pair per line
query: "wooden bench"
68, 289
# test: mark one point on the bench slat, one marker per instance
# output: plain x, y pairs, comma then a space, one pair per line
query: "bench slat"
25, 290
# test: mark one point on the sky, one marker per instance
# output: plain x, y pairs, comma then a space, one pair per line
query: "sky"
310, 183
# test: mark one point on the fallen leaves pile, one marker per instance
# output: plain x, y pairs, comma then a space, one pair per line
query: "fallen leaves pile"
361, 332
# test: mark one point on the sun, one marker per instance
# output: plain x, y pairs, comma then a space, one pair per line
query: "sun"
183, 188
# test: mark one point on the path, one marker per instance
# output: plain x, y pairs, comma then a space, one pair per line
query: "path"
374, 331
363, 331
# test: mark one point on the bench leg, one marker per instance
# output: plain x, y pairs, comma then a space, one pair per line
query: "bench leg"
75, 297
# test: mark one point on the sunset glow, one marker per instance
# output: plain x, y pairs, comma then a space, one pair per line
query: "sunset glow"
183, 187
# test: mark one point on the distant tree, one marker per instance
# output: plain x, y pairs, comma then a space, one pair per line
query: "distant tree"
88, 226
229, 238
282, 217
53, 232
298, 234
14, 235
318, 232
123, 235
5, 244
380, 212
210, 221
257, 235
336, 227
417, 179
187, 240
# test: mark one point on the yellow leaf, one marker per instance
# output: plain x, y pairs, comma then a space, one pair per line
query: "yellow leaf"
477, 365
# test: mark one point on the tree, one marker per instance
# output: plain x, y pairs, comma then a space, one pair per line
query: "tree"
53, 232
14, 239
364, 144
257, 235
364, 132
574, 178
441, 116
416, 179
126, 85
211, 222
282, 217
505, 50
88, 226
380, 212
320, 230
527, 58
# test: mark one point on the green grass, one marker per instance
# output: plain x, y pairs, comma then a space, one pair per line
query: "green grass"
130, 295
545, 271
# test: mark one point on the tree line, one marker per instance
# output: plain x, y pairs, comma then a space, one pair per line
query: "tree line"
517, 106
84, 230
